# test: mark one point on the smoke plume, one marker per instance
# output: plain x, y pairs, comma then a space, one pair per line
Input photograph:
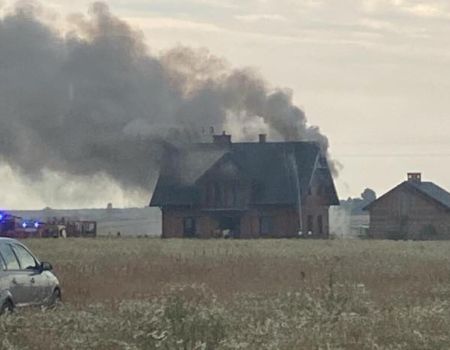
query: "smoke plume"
92, 99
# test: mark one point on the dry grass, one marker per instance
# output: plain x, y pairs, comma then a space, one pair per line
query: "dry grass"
95, 270
264, 294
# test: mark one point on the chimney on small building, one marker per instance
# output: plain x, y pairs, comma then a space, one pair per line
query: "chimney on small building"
222, 139
415, 177
262, 138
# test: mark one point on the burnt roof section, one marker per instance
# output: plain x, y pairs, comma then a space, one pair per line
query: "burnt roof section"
277, 169
429, 189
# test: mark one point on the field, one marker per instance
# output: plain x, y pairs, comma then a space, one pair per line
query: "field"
262, 294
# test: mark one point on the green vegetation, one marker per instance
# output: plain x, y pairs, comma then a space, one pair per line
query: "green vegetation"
262, 294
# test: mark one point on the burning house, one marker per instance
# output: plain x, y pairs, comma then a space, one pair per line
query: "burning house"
247, 190
415, 209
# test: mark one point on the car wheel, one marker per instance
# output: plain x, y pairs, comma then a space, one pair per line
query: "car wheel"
55, 299
7, 307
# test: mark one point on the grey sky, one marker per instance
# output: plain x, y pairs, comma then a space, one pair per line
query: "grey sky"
374, 75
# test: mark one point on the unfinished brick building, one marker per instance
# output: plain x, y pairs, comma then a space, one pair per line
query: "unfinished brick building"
247, 190
412, 210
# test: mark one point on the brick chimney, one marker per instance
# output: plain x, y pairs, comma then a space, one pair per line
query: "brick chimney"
262, 138
222, 139
415, 177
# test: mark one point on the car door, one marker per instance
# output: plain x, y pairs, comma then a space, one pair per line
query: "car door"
4, 281
12, 279
33, 281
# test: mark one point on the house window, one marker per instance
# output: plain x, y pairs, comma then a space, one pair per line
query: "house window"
309, 224
227, 194
319, 190
189, 227
320, 224
218, 194
234, 195
265, 225
209, 194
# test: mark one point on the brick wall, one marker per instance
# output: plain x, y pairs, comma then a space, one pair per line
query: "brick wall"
283, 221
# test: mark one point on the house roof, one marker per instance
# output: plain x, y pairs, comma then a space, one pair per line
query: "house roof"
429, 189
277, 169
433, 191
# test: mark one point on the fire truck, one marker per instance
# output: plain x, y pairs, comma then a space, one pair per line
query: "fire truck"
16, 227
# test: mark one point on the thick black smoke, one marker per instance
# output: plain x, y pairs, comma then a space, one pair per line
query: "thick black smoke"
94, 101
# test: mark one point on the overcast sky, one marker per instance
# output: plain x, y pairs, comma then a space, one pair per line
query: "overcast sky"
373, 74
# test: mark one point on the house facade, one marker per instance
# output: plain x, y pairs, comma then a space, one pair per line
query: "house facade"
412, 210
245, 190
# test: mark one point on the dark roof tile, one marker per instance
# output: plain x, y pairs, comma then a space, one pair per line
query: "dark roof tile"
426, 188
279, 168
433, 191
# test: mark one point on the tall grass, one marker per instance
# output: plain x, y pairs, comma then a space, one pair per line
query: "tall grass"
271, 294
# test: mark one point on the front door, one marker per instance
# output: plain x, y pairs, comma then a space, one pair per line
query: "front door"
189, 227
230, 225
33, 281
13, 278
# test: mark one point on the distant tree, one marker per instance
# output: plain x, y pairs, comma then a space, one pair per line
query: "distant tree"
355, 205
368, 195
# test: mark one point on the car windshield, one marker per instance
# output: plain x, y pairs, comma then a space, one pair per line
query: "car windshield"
9, 257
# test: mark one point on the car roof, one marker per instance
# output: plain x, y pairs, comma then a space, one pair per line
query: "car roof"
7, 239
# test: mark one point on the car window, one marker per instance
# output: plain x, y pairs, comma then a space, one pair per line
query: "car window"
9, 257
26, 260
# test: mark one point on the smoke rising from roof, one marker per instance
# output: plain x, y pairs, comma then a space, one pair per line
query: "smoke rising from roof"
93, 100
